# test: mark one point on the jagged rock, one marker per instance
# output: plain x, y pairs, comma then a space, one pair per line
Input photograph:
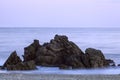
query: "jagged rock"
13, 59
1, 67
15, 63
109, 62
118, 64
45, 57
30, 51
30, 65
60, 51
69, 46
96, 58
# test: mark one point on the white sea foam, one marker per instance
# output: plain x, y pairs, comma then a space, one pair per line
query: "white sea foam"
56, 70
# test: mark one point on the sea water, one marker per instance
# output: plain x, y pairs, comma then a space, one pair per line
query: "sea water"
105, 39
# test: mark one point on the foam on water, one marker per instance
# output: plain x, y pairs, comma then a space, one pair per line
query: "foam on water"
56, 70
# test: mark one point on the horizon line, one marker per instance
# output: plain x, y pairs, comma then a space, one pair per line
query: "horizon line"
58, 27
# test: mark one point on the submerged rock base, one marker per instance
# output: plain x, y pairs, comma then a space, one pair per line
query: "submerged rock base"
59, 52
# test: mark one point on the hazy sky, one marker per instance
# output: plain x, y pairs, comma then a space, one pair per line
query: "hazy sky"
59, 13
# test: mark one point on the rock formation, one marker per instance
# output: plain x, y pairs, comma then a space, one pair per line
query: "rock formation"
96, 58
13, 59
30, 51
15, 63
109, 62
30, 65
59, 52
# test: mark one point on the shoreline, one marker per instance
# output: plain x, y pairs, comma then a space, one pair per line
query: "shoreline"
22, 76
56, 70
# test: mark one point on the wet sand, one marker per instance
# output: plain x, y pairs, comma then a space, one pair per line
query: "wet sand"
21, 76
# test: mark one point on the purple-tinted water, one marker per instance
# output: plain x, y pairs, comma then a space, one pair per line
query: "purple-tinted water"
105, 39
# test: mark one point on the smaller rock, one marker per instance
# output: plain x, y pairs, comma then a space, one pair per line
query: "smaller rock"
13, 59
30, 51
0, 67
96, 58
118, 64
110, 62
60, 37
30, 65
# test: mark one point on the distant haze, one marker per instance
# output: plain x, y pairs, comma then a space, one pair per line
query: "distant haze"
59, 13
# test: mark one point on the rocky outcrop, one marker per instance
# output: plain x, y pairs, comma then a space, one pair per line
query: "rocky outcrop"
59, 52
65, 54
118, 65
13, 59
30, 65
15, 63
109, 62
30, 51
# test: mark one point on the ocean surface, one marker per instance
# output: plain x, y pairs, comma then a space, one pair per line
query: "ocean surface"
105, 39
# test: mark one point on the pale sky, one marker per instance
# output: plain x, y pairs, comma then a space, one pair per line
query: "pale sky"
59, 13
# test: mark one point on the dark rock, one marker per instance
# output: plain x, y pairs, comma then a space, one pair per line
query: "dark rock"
13, 59
45, 57
86, 60
64, 44
30, 65
1, 67
74, 62
109, 62
118, 64
15, 63
96, 58
30, 51
45, 60
60, 51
